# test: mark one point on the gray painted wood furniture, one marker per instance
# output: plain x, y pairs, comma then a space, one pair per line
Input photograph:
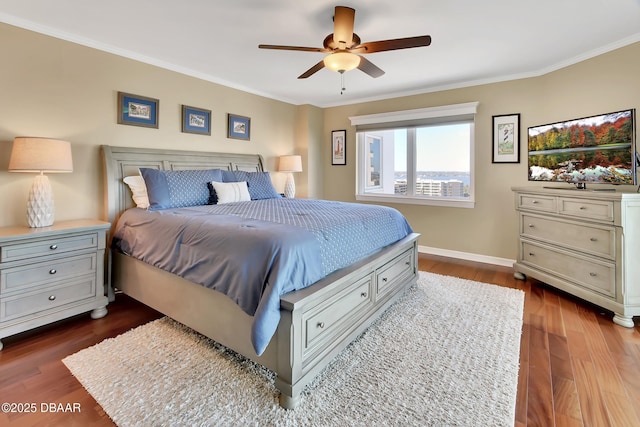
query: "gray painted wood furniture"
51, 273
586, 243
317, 322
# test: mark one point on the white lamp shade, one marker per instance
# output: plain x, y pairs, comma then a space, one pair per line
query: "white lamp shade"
290, 164
32, 154
341, 61
40, 155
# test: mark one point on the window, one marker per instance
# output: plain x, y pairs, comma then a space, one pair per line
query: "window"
420, 156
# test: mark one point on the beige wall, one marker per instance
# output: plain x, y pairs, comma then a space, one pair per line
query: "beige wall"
606, 83
54, 88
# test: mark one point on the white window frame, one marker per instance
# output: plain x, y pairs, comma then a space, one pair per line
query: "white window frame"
447, 114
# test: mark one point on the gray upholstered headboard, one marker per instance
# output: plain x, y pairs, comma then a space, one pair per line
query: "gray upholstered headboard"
119, 162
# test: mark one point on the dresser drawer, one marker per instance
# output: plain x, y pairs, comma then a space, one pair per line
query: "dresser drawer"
536, 203
392, 272
593, 274
46, 271
324, 322
38, 248
45, 301
595, 240
601, 210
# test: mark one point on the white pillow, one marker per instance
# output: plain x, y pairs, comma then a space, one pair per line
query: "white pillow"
229, 192
138, 190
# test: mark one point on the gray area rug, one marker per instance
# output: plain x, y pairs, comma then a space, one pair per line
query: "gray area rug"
446, 354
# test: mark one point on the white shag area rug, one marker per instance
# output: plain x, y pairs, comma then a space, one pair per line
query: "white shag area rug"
447, 354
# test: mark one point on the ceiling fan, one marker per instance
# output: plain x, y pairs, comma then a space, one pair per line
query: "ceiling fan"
344, 47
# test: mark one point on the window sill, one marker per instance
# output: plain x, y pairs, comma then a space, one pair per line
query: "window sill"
450, 203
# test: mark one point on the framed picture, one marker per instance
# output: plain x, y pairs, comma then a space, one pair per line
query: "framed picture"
239, 127
339, 147
136, 110
196, 120
506, 138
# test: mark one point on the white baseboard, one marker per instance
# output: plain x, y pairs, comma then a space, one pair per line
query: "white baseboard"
505, 262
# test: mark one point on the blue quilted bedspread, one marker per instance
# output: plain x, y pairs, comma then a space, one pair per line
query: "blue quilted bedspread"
256, 251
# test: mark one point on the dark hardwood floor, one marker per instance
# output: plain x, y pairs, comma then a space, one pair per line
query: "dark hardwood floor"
577, 368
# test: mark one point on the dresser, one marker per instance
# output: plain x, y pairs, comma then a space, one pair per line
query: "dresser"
51, 273
584, 242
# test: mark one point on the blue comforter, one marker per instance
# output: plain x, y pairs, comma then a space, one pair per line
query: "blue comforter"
256, 251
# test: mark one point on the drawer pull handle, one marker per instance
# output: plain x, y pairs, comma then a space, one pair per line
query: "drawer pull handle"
321, 325
53, 247
407, 263
592, 274
52, 297
53, 271
593, 239
363, 295
384, 279
582, 208
535, 202
532, 226
532, 254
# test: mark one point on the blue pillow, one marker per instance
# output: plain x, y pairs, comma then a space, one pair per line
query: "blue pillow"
260, 185
177, 189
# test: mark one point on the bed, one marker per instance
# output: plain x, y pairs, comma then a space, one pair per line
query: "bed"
314, 323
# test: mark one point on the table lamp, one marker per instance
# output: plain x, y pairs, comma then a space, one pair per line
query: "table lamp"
290, 164
40, 155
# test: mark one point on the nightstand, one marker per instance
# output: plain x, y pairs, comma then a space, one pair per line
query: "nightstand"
51, 273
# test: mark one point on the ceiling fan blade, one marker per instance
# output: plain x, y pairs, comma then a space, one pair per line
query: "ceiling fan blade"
343, 20
300, 48
369, 68
319, 66
394, 44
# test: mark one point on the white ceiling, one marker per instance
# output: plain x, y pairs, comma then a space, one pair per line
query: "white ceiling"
473, 41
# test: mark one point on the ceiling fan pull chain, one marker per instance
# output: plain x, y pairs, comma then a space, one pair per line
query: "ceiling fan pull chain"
342, 88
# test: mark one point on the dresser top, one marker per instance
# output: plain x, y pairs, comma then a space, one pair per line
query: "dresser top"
60, 227
593, 192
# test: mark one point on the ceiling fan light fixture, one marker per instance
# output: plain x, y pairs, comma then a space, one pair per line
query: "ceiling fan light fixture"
341, 61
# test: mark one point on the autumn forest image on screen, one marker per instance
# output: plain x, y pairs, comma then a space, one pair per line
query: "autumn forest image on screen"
597, 149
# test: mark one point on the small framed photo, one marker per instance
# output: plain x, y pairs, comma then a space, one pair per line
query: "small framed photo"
196, 120
339, 147
239, 127
506, 138
136, 110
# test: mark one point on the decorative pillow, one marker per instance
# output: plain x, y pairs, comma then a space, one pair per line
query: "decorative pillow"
138, 190
259, 183
229, 192
176, 189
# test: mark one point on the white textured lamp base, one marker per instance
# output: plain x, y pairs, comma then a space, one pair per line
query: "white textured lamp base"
290, 187
40, 206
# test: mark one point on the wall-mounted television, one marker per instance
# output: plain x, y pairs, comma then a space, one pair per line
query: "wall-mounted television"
597, 149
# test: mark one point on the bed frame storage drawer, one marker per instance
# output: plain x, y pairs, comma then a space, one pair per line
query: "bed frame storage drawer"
394, 271
323, 322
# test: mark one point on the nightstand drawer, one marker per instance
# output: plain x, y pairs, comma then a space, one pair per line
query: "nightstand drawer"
46, 271
44, 301
38, 248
